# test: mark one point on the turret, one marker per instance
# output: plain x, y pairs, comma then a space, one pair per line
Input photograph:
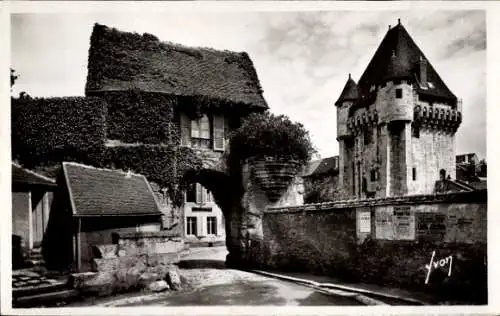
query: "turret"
349, 95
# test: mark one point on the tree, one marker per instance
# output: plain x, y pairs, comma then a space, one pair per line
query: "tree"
13, 77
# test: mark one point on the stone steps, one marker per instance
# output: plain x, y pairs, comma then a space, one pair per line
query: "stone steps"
52, 286
46, 299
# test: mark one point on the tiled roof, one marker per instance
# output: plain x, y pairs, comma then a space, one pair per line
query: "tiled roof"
398, 57
350, 92
24, 176
97, 192
120, 61
318, 167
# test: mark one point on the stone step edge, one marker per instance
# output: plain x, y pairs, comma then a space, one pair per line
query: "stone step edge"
359, 296
51, 297
34, 290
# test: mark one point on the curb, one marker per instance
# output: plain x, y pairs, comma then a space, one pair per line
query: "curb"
336, 289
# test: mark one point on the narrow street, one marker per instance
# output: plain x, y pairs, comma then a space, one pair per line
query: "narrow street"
213, 284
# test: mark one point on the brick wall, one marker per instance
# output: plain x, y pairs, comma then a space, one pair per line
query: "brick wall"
385, 241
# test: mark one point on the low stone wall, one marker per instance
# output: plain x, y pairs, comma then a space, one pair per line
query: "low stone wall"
386, 241
136, 260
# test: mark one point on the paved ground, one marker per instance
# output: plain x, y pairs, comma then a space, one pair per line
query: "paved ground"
213, 284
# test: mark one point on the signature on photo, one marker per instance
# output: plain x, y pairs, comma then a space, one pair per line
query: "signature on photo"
438, 263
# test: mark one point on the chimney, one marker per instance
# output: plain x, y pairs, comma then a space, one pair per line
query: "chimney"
423, 72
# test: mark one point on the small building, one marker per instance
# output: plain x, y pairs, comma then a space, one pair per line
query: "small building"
92, 207
221, 85
321, 180
31, 199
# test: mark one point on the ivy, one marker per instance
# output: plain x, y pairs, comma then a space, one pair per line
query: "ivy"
137, 117
46, 131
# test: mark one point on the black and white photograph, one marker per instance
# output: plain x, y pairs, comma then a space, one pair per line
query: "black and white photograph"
179, 157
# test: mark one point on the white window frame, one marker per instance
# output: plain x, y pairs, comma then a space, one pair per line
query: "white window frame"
189, 226
211, 220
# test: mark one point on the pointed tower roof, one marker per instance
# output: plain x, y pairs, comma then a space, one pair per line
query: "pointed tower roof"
398, 57
350, 92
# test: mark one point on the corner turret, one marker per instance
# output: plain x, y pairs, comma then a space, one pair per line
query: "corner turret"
349, 95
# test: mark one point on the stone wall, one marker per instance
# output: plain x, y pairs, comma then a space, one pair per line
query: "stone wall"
394, 152
386, 241
431, 152
134, 261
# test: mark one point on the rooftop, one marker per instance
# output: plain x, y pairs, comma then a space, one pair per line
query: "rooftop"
121, 61
22, 176
399, 57
105, 192
322, 166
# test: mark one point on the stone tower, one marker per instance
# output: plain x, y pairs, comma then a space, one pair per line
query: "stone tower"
396, 127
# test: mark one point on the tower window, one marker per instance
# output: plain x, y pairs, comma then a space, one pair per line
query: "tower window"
374, 175
416, 131
414, 173
397, 81
399, 93
368, 136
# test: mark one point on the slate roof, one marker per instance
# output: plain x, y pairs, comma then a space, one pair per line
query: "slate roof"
22, 176
98, 192
397, 41
398, 57
120, 61
350, 92
323, 166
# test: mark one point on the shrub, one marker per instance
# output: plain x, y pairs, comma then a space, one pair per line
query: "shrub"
268, 135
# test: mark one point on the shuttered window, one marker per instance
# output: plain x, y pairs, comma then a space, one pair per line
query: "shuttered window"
219, 132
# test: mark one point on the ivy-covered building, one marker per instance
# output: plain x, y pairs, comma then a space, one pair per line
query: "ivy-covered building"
160, 93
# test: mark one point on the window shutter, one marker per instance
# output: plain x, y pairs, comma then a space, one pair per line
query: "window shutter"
218, 132
185, 130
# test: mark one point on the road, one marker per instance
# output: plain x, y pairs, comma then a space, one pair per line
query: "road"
213, 284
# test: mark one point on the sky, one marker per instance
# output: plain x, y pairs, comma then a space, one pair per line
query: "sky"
302, 58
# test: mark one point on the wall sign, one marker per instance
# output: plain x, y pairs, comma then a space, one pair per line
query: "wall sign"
396, 223
384, 224
431, 226
364, 222
404, 223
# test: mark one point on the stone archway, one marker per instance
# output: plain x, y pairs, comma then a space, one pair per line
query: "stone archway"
243, 201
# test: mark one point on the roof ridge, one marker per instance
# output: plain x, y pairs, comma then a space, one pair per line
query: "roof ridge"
175, 44
34, 173
65, 163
